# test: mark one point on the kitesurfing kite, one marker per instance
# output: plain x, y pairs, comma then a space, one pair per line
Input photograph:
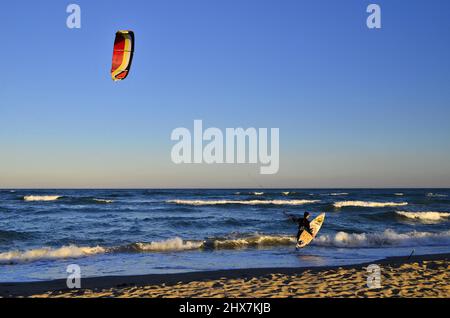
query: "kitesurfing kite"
122, 55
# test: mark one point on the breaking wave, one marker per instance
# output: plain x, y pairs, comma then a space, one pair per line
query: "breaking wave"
47, 253
243, 202
170, 245
103, 201
230, 242
334, 194
41, 197
367, 204
173, 244
387, 238
426, 216
256, 240
341, 239
66, 199
436, 195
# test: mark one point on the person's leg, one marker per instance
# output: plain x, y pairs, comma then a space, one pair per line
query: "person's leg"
298, 234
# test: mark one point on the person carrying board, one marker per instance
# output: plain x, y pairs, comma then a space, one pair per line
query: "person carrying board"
303, 223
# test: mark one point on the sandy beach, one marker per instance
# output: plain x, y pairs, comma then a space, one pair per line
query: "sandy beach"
418, 276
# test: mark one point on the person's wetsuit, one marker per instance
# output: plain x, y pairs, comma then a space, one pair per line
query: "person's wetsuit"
303, 225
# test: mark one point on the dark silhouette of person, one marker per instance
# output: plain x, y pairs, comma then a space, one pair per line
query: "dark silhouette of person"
303, 224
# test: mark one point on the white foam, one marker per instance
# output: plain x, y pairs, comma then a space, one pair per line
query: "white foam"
244, 202
47, 253
425, 216
253, 241
41, 197
173, 244
285, 193
103, 201
178, 244
386, 238
258, 193
398, 194
367, 204
436, 195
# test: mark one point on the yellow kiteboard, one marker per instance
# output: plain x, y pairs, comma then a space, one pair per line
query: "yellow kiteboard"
306, 238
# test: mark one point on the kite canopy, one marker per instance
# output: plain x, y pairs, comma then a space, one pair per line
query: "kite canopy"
122, 55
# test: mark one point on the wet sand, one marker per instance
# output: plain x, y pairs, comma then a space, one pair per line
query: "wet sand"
418, 276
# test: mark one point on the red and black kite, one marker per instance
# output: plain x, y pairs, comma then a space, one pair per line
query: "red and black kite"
122, 55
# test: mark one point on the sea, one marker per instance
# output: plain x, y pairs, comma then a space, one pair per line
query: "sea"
149, 231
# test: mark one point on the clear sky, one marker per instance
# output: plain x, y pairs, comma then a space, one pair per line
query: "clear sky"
355, 107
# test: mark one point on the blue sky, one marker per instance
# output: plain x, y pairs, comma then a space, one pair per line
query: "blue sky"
355, 107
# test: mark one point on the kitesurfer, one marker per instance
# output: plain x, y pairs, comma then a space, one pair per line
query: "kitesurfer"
303, 224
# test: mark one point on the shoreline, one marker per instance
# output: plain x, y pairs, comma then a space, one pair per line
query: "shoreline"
221, 283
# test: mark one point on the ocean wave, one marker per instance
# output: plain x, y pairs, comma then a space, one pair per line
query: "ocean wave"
47, 253
425, 216
66, 199
173, 244
236, 241
387, 238
86, 200
41, 197
103, 200
436, 195
257, 240
243, 202
399, 194
258, 193
367, 204
6, 236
